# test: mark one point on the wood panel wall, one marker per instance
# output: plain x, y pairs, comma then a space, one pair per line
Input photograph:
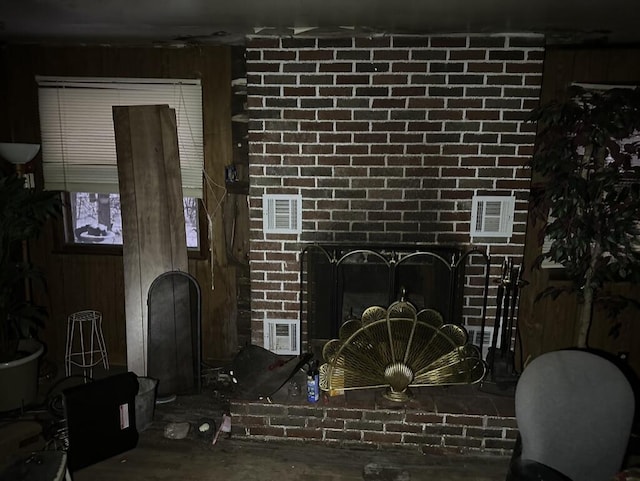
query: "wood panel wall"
549, 324
78, 281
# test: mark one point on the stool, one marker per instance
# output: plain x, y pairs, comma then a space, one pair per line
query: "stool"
85, 343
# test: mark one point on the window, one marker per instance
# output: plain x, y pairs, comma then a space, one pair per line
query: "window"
79, 152
95, 219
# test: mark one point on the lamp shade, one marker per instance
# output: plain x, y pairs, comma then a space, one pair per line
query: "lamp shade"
18, 153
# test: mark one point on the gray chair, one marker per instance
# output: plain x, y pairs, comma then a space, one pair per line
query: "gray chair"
574, 410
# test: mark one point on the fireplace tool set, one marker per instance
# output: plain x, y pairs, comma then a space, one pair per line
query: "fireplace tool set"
502, 375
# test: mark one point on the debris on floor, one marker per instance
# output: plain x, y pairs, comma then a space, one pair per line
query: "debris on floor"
225, 427
206, 428
384, 472
176, 430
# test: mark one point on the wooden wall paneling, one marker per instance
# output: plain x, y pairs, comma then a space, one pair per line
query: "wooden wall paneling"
590, 66
219, 335
624, 339
152, 226
84, 282
531, 322
5, 116
243, 279
548, 324
212, 66
54, 331
108, 300
90, 282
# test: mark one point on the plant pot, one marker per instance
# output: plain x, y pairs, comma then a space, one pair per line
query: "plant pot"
19, 378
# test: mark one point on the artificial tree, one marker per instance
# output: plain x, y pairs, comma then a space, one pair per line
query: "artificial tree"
23, 213
586, 191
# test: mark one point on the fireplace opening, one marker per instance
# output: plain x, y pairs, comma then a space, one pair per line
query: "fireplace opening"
338, 282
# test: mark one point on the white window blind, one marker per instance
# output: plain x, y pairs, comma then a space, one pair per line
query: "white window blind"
78, 140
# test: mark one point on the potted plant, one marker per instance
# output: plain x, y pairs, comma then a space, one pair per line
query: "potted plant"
23, 213
586, 190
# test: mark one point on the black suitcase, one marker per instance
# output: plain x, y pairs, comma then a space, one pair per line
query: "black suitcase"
101, 419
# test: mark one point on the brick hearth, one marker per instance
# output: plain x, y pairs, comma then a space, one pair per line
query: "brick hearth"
439, 420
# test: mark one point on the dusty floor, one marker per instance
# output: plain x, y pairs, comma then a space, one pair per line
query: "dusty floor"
195, 458
158, 458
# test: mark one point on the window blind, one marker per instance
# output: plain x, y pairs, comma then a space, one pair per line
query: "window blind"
78, 140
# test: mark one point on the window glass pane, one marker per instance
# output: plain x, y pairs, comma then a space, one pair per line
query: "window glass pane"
96, 219
191, 225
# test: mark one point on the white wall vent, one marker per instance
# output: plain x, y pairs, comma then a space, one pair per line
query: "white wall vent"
282, 214
492, 216
282, 336
474, 338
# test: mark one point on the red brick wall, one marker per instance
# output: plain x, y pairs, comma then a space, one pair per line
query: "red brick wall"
431, 433
387, 139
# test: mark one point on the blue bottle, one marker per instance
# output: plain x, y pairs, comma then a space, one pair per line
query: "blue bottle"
313, 383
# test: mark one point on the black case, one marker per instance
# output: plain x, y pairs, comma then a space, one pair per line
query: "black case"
101, 419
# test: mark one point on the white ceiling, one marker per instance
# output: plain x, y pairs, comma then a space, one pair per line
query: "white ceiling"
227, 21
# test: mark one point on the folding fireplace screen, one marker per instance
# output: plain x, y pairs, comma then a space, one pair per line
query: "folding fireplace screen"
338, 282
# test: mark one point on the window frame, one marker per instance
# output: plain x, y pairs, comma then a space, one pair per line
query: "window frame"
176, 95
64, 232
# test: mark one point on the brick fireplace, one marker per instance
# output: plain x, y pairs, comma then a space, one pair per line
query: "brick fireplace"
386, 139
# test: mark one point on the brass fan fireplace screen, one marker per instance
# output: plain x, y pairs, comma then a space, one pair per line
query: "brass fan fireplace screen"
399, 348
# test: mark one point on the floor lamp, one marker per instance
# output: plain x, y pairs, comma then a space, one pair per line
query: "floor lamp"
19, 154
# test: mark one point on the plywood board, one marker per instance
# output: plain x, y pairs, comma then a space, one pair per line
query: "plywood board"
152, 213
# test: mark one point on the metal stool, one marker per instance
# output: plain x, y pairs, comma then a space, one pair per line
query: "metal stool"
85, 343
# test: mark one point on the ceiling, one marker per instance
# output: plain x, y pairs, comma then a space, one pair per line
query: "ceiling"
228, 21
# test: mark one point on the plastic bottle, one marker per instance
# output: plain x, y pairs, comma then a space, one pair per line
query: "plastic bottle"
313, 383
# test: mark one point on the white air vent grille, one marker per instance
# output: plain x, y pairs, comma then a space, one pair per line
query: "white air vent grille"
492, 216
282, 213
282, 336
474, 338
